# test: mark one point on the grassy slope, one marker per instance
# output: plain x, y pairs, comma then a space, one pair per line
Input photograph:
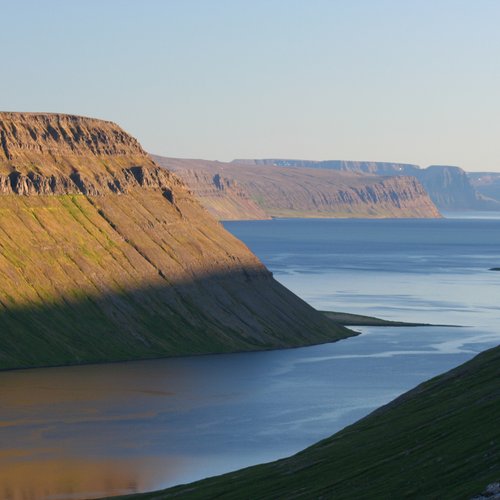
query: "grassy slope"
88, 279
104, 256
440, 441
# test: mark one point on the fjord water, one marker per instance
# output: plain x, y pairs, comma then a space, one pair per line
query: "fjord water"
89, 431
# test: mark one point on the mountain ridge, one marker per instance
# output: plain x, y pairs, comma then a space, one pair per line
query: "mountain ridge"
105, 256
448, 186
301, 192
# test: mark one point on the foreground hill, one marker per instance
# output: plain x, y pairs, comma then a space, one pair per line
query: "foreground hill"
106, 256
449, 187
238, 191
439, 441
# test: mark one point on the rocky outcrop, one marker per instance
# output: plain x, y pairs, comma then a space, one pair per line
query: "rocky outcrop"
121, 182
307, 192
24, 134
44, 154
448, 186
106, 256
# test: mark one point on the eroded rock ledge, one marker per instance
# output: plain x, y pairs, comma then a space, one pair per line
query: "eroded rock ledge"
104, 256
120, 182
51, 133
53, 154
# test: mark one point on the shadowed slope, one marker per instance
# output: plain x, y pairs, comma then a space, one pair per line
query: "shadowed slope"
209, 315
105, 256
438, 441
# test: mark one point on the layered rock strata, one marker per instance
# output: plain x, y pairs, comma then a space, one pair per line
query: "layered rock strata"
106, 256
449, 187
303, 192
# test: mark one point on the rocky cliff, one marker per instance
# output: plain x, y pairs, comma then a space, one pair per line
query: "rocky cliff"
305, 192
222, 196
486, 183
449, 187
106, 256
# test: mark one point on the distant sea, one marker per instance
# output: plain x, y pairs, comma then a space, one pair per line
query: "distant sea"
89, 431
422, 270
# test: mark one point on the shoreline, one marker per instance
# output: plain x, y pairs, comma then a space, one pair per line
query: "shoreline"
348, 319
339, 318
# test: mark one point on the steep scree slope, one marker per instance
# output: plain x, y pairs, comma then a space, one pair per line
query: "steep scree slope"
105, 256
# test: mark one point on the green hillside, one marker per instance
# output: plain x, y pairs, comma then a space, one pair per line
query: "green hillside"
105, 256
439, 441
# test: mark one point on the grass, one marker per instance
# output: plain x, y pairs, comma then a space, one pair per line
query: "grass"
120, 277
439, 441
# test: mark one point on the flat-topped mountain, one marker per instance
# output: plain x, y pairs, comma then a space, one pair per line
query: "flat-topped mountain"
448, 186
370, 167
62, 154
106, 256
265, 191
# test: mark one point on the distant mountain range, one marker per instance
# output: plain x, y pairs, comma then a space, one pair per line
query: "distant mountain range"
449, 187
256, 190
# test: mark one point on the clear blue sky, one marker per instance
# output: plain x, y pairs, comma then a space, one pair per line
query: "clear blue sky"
393, 80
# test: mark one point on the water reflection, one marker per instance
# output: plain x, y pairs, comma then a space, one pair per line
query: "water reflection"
92, 431
69, 477
84, 432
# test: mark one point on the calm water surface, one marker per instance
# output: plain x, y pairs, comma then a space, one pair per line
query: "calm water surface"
89, 431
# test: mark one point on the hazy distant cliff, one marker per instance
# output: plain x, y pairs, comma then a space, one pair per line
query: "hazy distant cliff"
302, 192
486, 183
449, 187
222, 196
105, 256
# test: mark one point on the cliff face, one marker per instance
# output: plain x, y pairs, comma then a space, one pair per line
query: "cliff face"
61, 154
306, 192
486, 183
449, 187
222, 196
106, 256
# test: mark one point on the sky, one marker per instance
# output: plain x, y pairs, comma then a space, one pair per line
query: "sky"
382, 80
